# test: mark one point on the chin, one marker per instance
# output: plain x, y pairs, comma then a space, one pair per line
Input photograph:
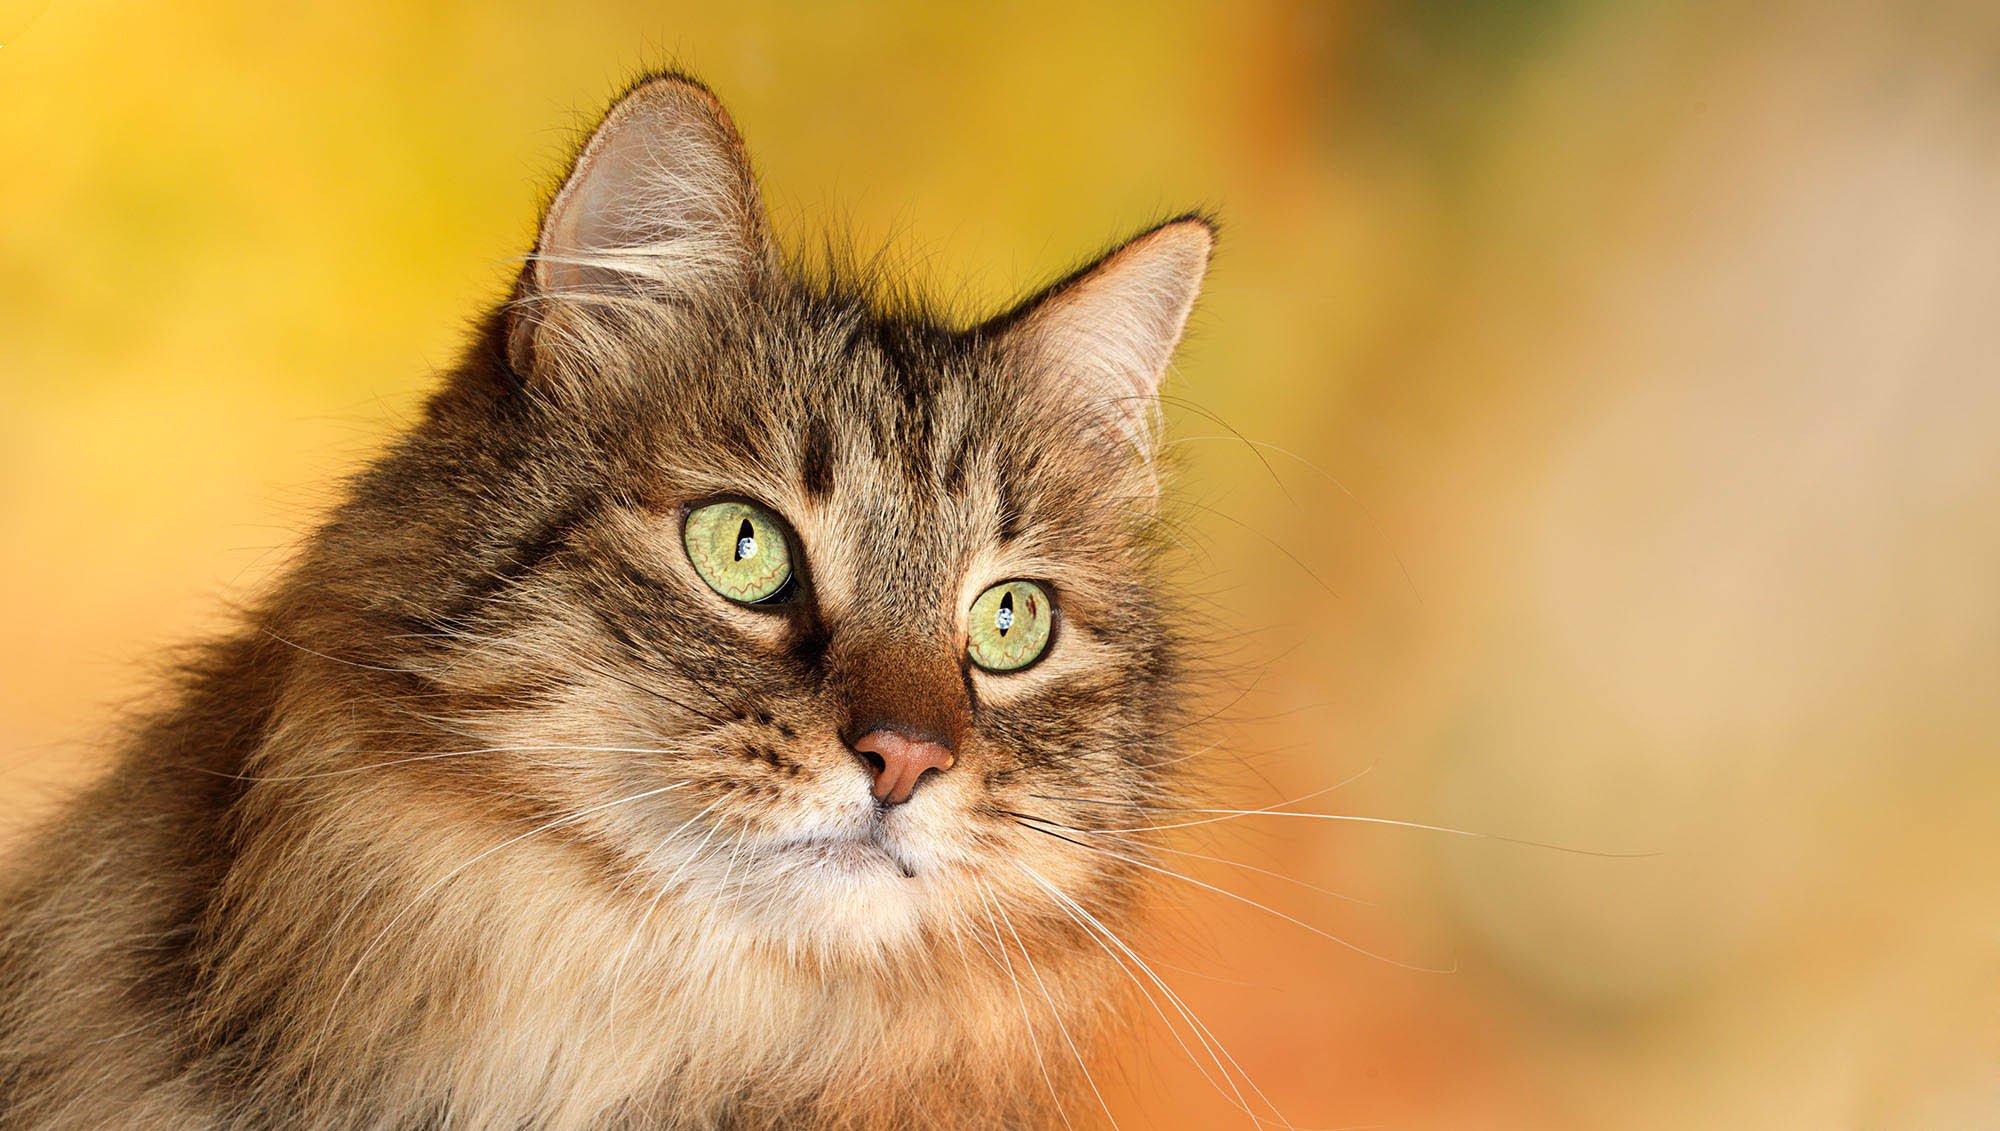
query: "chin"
833, 902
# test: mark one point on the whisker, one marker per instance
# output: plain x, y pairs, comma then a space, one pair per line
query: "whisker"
267, 631
1246, 901
1273, 873
1301, 799
1202, 1033
993, 904
1027, 1023
429, 757
1229, 814
1226, 1088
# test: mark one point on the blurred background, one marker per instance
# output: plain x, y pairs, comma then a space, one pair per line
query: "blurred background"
1589, 432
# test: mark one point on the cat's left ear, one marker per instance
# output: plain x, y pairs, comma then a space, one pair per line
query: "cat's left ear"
660, 206
1107, 332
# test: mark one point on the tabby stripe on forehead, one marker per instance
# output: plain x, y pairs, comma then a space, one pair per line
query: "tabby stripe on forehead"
816, 460
954, 467
1010, 512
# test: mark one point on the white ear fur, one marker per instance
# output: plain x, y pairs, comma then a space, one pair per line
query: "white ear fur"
1110, 330
661, 204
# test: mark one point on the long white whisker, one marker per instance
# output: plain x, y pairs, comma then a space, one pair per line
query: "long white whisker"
1247, 901
1054, 1013
1210, 1044
1229, 814
1034, 1042
436, 755
1273, 807
1273, 873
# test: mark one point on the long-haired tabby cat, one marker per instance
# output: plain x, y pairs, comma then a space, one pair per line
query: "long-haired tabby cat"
646, 741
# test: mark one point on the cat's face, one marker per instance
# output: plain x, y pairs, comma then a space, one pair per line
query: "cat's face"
888, 491
731, 622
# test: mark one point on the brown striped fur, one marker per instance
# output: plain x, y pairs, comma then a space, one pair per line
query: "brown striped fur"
487, 816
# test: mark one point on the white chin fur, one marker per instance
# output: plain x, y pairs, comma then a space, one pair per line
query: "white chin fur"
847, 886
845, 903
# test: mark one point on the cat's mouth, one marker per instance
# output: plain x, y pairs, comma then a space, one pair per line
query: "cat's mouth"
859, 852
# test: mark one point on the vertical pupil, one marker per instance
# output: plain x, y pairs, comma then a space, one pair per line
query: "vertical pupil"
746, 541
1003, 617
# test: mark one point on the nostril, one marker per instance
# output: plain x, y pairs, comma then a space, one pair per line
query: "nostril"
897, 761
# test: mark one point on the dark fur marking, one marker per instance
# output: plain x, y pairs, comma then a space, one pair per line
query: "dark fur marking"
1010, 512
521, 559
626, 638
816, 461
953, 478
808, 649
639, 577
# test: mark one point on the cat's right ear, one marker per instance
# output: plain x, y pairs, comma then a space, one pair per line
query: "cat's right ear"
660, 207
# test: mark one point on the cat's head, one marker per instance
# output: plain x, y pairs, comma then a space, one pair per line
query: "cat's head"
773, 599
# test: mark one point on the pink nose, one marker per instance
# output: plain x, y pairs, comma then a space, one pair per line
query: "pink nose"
898, 760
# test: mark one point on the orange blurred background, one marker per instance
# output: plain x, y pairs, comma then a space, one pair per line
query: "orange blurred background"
1590, 431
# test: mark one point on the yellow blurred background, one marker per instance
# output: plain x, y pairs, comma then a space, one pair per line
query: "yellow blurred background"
1590, 425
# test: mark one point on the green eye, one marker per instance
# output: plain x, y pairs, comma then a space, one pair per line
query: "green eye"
740, 550
1008, 628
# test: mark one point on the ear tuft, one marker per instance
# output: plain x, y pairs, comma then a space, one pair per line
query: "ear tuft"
661, 203
1110, 330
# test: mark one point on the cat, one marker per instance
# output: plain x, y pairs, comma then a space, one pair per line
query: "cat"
692, 722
